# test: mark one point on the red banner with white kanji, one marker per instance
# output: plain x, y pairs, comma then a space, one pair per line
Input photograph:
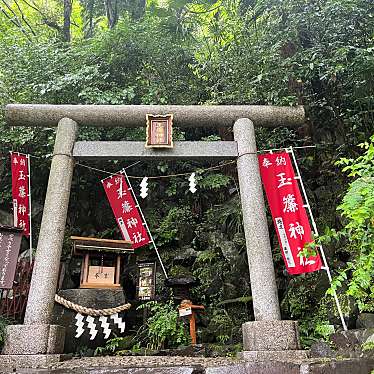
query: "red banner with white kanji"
287, 208
20, 191
126, 211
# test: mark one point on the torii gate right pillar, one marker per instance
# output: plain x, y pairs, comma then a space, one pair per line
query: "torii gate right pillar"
267, 336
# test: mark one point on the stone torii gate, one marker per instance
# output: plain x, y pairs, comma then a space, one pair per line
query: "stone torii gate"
37, 341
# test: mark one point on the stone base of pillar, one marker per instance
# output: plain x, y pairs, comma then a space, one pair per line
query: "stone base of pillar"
30, 361
273, 355
271, 336
34, 340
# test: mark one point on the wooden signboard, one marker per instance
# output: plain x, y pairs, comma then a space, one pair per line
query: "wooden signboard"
159, 131
10, 243
183, 312
101, 275
146, 288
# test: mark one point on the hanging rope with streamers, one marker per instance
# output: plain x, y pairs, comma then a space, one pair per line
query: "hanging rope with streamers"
200, 170
90, 311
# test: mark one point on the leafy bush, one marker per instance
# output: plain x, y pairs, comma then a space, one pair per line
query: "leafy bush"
116, 346
357, 235
163, 327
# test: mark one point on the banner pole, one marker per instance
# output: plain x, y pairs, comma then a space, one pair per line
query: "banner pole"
326, 265
123, 171
30, 228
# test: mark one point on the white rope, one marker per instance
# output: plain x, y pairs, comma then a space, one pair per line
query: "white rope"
90, 311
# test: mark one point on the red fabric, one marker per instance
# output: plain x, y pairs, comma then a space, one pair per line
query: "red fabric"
20, 191
289, 216
126, 211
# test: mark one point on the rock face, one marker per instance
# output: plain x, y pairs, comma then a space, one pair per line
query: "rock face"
91, 298
351, 343
348, 339
6, 218
321, 349
365, 321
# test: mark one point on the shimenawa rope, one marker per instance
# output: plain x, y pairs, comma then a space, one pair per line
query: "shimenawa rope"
89, 311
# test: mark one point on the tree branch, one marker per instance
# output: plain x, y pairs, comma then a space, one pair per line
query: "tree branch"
52, 24
24, 18
15, 20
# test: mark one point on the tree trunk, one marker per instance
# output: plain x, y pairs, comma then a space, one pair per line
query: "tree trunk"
66, 36
89, 24
111, 7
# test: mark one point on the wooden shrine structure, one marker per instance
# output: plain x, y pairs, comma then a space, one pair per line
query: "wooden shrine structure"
100, 275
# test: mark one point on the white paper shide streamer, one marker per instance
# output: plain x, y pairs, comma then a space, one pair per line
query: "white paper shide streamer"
92, 326
118, 321
105, 326
144, 188
192, 181
80, 330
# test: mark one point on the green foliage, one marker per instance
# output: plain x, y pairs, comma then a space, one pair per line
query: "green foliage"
229, 215
305, 301
162, 329
214, 181
210, 269
4, 322
163, 326
223, 324
368, 346
173, 224
117, 346
357, 209
313, 329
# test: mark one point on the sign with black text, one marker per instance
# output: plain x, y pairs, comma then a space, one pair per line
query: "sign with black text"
10, 243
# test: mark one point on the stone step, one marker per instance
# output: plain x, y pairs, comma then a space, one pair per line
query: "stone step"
195, 365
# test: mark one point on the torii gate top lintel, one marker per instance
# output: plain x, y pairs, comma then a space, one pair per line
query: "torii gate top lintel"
45, 115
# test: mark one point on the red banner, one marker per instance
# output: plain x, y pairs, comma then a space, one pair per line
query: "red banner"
287, 209
20, 191
126, 211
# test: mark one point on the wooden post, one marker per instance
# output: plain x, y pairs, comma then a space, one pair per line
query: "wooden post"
192, 319
118, 269
85, 270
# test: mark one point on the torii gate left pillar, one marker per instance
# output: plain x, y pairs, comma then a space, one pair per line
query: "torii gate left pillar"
37, 338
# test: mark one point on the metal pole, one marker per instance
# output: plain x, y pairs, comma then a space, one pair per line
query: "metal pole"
123, 171
326, 265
